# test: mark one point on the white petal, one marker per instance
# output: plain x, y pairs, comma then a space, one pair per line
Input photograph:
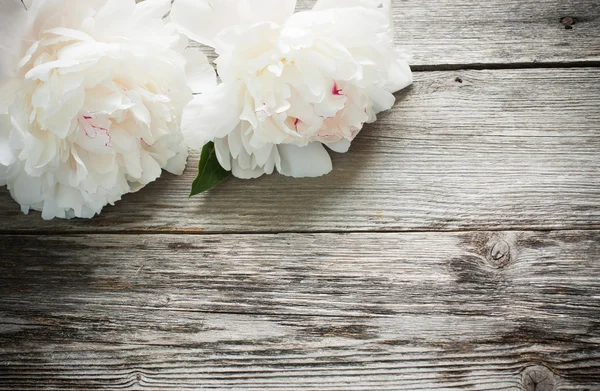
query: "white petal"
300, 162
201, 20
382, 100
328, 4
264, 154
42, 71
278, 11
341, 146
3, 175
27, 190
6, 152
399, 76
176, 165
132, 162
150, 169
115, 14
69, 34
66, 198
152, 8
223, 153
61, 122
234, 141
50, 210
213, 114
351, 27
8, 92
200, 74
245, 173
12, 23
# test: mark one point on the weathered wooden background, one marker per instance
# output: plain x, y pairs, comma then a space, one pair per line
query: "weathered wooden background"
456, 247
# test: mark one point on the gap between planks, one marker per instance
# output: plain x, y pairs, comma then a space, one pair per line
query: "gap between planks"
505, 66
201, 232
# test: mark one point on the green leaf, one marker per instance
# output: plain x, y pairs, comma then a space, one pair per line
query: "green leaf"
210, 172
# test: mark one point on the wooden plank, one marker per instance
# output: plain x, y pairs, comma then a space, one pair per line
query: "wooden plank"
490, 150
470, 33
474, 32
427, 311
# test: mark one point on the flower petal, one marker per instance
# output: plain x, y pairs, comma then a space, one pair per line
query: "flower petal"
350, 27
213, 114
12, 23
278, 11
245, 173
152, 8
382, 100
6, 153
8, 92
27, 189
201, 75
341, 146
115, 15
222, 150
176, 165
302, 162
399, 76
329, 4
203, 20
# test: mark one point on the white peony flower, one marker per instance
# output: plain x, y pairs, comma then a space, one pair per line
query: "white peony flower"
291, 83
92, 98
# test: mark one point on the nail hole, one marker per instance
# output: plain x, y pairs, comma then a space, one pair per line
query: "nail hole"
568, 22
458, 80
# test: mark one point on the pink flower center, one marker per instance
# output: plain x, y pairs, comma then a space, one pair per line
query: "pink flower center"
336, 91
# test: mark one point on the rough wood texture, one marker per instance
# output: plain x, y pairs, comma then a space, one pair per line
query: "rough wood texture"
506, 149
473, 33
260, 285
428, 311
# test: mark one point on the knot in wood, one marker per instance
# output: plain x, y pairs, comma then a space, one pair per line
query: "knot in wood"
538, 378
568, 22
500, 254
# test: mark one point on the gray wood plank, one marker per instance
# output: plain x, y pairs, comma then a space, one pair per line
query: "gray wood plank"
472, 32
444, 34
505, 149
365, 311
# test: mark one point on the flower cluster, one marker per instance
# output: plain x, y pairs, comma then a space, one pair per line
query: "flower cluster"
97, 97
291, 82
93, 94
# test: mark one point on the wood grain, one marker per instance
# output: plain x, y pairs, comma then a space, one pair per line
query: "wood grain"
495, 33
473, 33
261, 285
491, 150
419, 311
